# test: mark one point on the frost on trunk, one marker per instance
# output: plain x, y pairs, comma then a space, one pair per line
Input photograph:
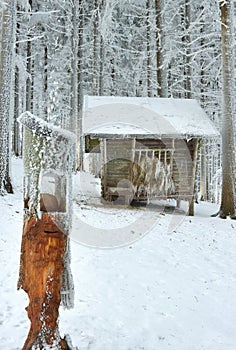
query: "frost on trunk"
161, 69
186, 39
45, 250
78, 17
6, 87
148, 35
228, 147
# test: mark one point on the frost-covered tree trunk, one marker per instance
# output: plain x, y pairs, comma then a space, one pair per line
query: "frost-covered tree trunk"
187, 51
6, 90
45, 254
101, 56
16, 143
162, 83
203, 165
74, 67
73, 122
95, 49
149, 64
228, 148
79, 12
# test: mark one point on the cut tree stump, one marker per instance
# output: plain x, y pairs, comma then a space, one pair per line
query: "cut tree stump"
41, 269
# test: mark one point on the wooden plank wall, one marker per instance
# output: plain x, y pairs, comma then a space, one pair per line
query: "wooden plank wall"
118, 157
122, 156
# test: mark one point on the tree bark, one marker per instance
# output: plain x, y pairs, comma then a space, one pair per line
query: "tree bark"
187, 49
79, 83
162, 83
95, 50
228, 148
148, 35
6, 86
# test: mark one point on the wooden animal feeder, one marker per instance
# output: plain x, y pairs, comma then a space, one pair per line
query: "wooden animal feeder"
45, 255
144, 148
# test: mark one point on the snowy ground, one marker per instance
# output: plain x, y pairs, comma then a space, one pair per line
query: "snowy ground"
171, 288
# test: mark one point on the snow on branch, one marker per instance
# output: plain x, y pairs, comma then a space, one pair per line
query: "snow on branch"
42, 128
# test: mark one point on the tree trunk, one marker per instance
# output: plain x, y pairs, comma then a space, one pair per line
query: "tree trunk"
16, 130
148, 35
6, 87
95, 49
44, 267
228, 149
101, 58
79, 82
73, 120
162, 84
186, 41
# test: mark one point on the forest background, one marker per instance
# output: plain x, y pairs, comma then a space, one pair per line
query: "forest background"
55, 52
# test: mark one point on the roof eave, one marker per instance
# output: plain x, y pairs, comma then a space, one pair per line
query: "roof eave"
149, 136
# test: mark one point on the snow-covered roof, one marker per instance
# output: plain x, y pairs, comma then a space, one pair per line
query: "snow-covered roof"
105, 116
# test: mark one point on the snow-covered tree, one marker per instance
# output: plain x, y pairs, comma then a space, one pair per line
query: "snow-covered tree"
228, 95
6, 90
162, 83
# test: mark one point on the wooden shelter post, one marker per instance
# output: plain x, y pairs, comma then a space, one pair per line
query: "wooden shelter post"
194, 167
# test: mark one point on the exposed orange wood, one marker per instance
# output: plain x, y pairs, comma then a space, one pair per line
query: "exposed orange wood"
42, 264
